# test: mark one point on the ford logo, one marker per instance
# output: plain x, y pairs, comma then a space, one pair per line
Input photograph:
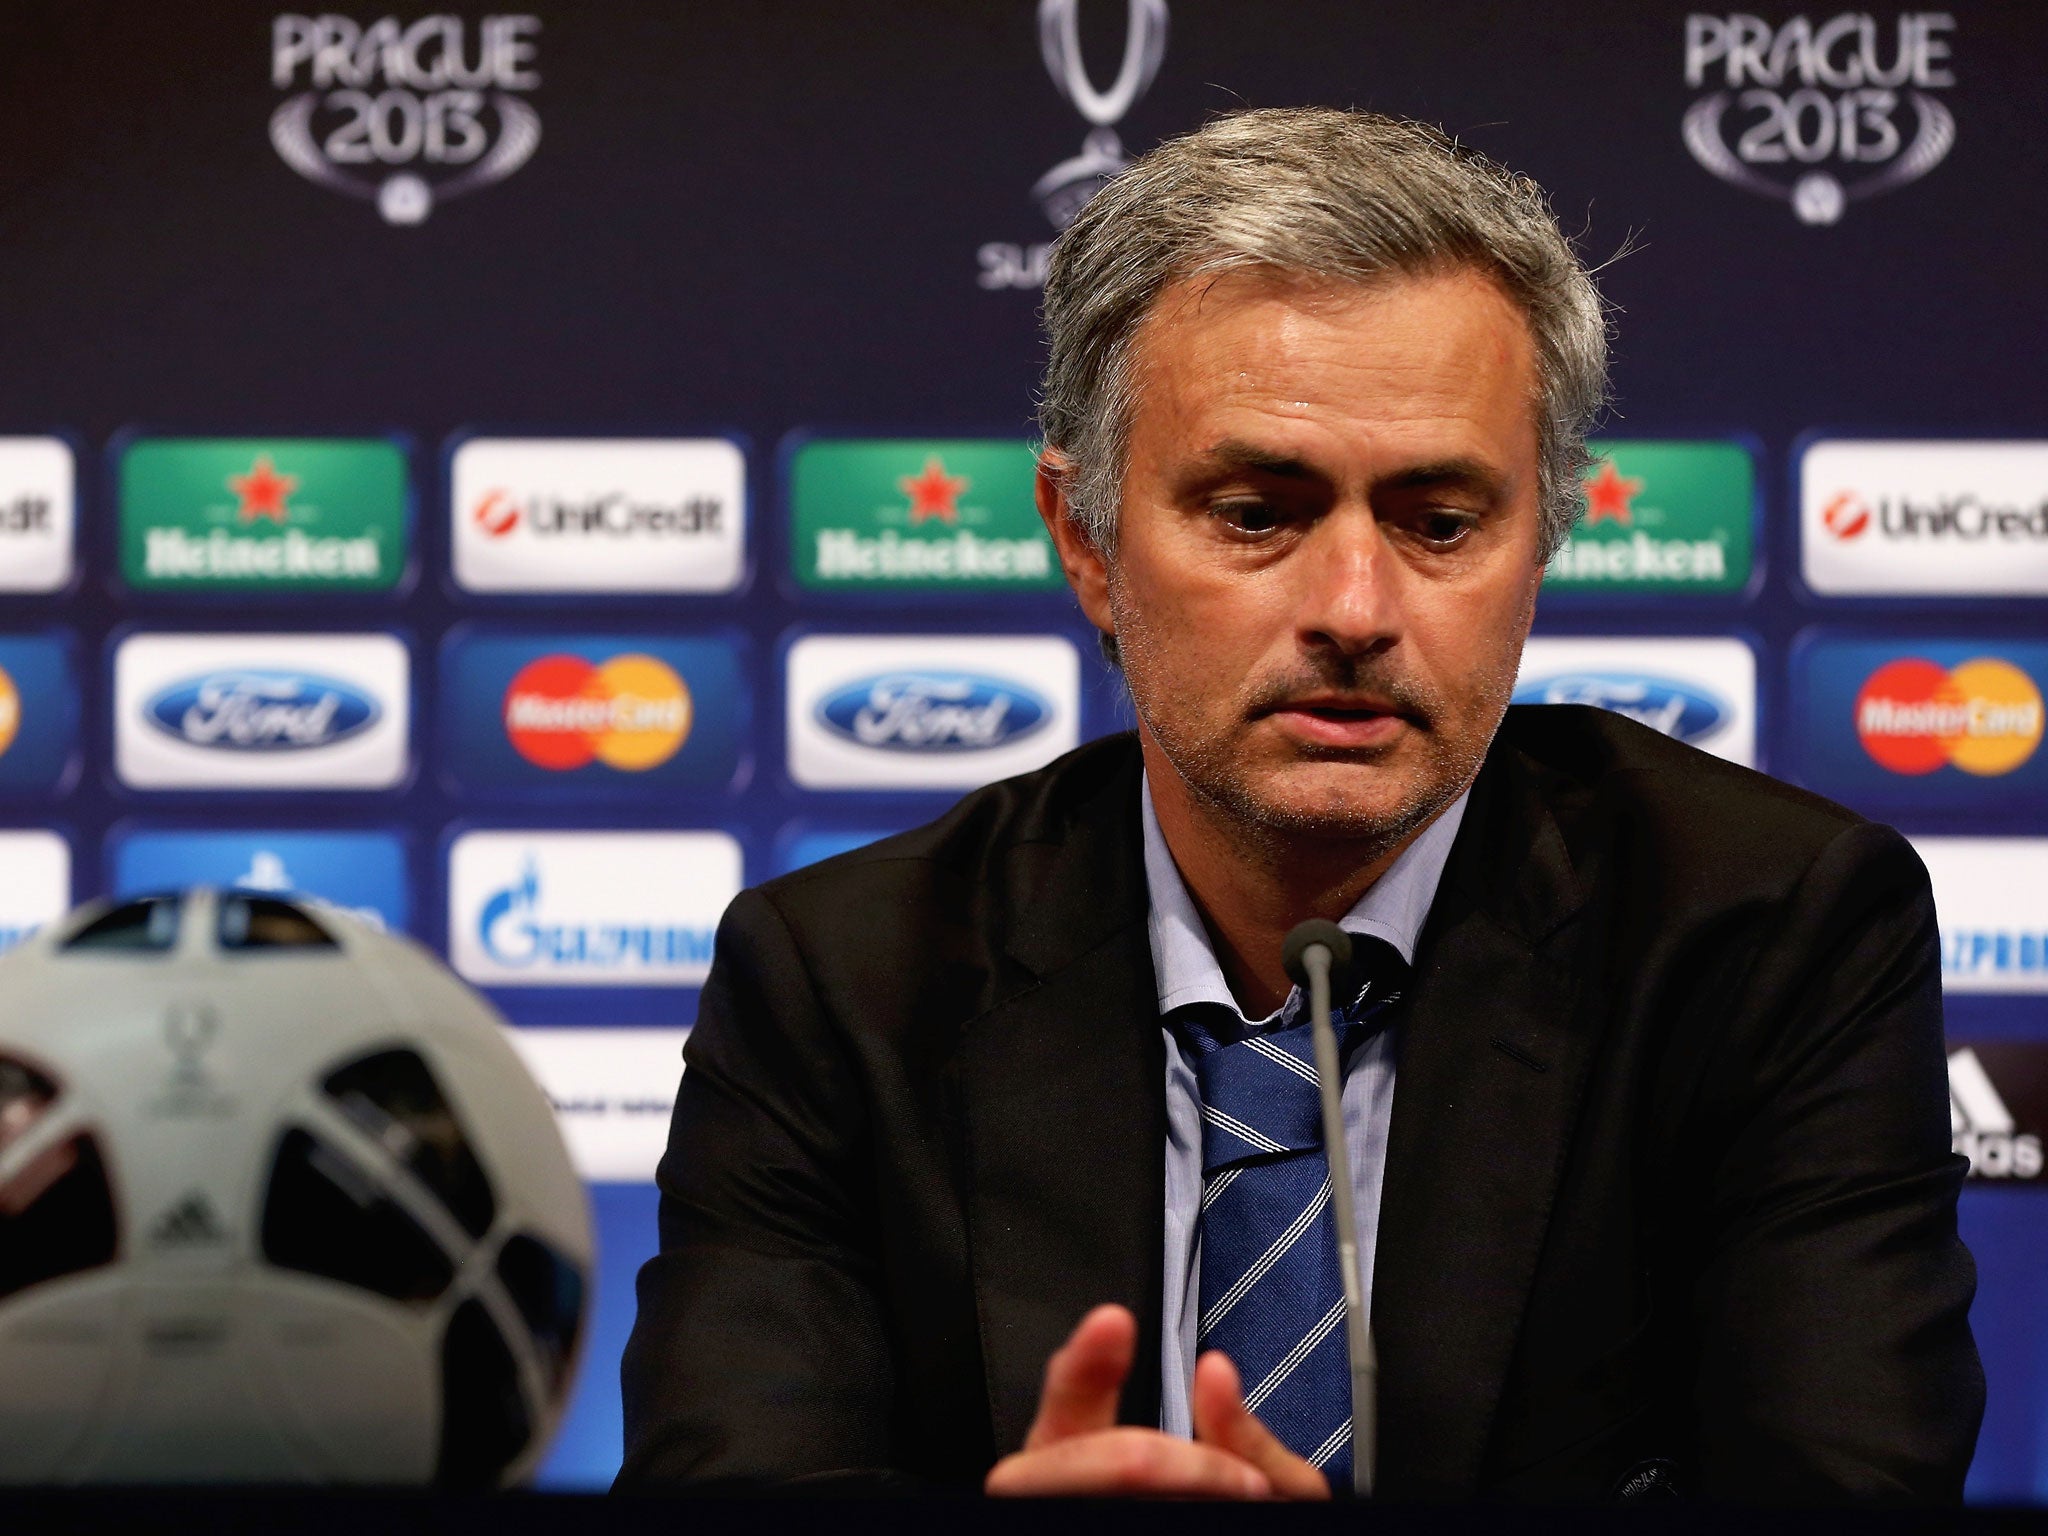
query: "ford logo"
1675, 708
257, 710
932, 712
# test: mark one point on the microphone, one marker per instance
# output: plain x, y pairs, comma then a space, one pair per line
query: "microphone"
1315, 952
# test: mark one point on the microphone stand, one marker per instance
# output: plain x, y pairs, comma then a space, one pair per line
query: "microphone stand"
1314, 949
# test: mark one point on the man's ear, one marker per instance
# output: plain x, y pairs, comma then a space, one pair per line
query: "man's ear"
1086, 570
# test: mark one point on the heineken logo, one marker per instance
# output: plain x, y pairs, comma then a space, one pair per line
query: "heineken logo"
940, 514
234, 513
1661, 515
404, 114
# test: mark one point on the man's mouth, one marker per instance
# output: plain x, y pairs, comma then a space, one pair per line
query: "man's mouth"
1341, 720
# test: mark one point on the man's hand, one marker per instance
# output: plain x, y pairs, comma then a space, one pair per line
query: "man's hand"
1076, 1447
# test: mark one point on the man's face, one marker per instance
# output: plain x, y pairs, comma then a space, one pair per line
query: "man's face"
1327, 550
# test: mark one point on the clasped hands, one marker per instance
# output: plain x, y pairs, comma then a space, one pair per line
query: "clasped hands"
1077, 1449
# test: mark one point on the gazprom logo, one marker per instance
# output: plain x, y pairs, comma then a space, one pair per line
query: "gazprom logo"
932, 711
261, 710
1677, 709
514, 935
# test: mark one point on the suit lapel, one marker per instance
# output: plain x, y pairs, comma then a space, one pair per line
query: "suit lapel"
1489, 1082
1060, 1091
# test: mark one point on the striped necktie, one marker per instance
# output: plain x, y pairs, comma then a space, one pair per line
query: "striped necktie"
1271, 1293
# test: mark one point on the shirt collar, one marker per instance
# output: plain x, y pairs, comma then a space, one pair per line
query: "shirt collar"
1393, 908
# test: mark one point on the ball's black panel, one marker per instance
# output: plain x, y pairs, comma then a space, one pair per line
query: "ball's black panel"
548, 1291
147, 925
484, 1419
264, 923
56, 1215
325, 1216
393, 1096
24, 1094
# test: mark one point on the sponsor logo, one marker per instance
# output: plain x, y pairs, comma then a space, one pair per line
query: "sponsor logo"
261, 711
928, 711
608, 714
38, 713
219, 514
613, 1091
1991, 898
800, 846
1661, 517
1936, 724
1987, 1082
1064, 191
190, 1223
37, 889
932, 712
581, 909
918, 514
1662, 703
1819, 112
360, 873
404, 114
1981, 717
37, 510
189, 1091
631, 713
1963, 518
589, 515
256, 711
1701, 691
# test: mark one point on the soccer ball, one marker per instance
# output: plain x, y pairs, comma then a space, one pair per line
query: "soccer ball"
278, 1202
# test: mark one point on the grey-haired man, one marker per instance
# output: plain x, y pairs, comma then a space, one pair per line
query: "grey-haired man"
992, 1163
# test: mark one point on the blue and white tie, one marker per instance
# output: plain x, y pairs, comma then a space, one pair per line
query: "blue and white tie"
1271, 1294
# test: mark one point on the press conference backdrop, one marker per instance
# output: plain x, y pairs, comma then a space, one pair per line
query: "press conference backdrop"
524, 474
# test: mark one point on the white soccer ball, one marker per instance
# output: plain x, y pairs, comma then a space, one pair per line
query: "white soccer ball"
278, 1202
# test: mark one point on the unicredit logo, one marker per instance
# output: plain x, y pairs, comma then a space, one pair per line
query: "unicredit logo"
563, 712
1677, 709
1983, 717
1965, 518
497, 514
1845, 516
613, 515
932, 712
252, 710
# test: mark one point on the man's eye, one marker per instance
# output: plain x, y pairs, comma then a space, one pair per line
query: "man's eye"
1249, 516
1443, 530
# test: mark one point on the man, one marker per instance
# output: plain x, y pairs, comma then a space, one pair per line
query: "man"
991, 1161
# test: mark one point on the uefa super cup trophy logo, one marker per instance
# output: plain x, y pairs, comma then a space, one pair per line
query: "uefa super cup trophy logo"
1066, 188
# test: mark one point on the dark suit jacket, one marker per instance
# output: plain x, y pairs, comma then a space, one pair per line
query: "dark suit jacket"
1669, 1175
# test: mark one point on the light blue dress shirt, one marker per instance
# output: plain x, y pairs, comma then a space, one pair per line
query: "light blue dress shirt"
1394, 910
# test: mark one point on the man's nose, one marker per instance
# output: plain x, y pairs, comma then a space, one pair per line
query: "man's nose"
1349, 598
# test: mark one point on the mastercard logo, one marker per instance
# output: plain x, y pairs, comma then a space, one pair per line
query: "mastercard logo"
10, 710
631, 713
1982, 716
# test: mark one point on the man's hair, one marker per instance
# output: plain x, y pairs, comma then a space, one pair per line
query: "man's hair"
1317, 193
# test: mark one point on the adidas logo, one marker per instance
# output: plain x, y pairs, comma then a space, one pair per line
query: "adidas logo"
190, 1223
1982, 1128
